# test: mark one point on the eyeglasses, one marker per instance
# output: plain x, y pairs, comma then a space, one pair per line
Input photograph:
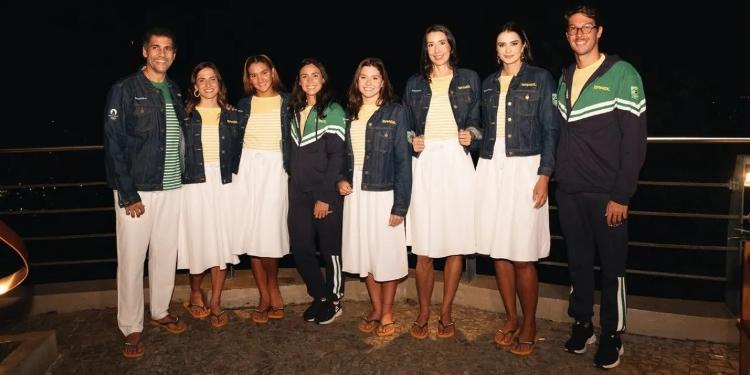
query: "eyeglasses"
586, 29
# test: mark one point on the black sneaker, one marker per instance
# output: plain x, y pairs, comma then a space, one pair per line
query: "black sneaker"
312, 311
581, 336
609, 352
329, 312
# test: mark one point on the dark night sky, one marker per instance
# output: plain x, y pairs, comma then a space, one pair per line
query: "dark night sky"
696, 82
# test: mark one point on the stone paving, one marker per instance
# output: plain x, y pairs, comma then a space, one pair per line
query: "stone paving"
89, 343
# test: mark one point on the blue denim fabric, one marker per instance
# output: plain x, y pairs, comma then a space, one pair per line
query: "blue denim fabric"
135, 130
532, 126
229, 129
387, 164
464, 94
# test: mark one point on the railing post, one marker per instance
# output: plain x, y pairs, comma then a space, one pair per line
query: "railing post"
734, 257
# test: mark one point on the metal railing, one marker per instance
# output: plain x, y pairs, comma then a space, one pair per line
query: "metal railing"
735, 215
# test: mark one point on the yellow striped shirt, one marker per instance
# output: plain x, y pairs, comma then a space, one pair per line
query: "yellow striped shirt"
263, 130
209, 133
357, 132
501, 104
440, 123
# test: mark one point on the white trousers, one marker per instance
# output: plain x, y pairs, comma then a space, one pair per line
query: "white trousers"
155, 231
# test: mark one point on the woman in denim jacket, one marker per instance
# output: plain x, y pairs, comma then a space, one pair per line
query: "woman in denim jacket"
444, 103
204, 234
377, 186
260, 187
520, 133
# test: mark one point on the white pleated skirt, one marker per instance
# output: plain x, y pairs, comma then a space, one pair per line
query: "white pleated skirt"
369, 244
204, 238
261, 204
509, 225
440, 221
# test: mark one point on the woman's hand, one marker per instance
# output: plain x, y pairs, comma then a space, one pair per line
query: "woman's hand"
541, 187
464, 137
344, 187
395, 220
321, 210
418, 143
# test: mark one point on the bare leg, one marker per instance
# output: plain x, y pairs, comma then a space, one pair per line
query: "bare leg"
389, 294
375, 290
271, 266
528, 293
217, 285
451, 278
506, 284
261, 280
425, 282
196, 296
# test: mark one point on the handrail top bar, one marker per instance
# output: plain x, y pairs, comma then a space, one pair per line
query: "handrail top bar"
26, 150
707, 140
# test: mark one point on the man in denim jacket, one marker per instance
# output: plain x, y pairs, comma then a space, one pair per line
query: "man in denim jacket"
143, 150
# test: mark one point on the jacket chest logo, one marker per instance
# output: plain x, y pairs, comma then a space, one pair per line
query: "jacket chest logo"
601, 88
528, 84
464, 87
389, 122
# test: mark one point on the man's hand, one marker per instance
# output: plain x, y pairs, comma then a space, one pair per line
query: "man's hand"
135, 210
320, 211
616, 214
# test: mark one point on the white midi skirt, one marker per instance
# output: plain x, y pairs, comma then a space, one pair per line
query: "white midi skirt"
440, 221
369, 244
509, 227
260, 205
204, 238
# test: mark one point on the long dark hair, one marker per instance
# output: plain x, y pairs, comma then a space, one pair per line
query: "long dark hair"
298, 98
354, 97
247, 86
193, 100
426, 65
513, 27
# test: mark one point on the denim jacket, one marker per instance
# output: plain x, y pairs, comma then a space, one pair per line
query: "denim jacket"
245, 104
464, 94
229, 128
387, 164
532, 126
135, 132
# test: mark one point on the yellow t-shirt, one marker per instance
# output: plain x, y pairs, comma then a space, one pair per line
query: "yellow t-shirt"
263, 130
440, 123
210, 133
580, 76
501, 104
303, 119
357, 132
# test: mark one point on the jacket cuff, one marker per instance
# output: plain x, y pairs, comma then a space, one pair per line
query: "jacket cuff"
398, 211
475, 133
544, 171
620, 198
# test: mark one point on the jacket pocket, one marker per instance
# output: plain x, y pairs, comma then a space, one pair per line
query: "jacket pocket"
526, 102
